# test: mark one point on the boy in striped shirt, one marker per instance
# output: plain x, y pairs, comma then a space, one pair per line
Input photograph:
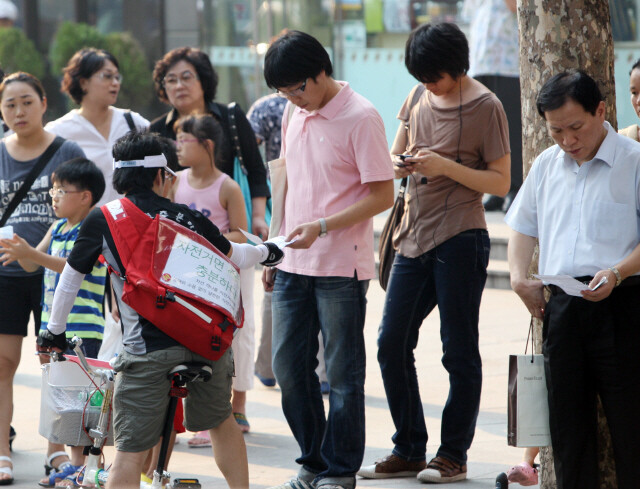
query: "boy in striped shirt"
77, 185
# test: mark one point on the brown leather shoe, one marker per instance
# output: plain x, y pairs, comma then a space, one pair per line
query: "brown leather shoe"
392, 466
442, 470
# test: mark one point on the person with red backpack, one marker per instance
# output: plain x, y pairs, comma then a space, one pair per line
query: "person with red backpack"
152, 349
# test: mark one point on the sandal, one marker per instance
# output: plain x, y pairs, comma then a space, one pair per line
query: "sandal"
6, 470
69, 481
64, 470
48, 461
523, 474
200, 440
241, 419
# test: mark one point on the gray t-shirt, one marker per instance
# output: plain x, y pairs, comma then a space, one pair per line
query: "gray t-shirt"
34, 215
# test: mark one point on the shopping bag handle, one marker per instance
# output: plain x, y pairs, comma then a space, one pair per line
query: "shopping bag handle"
530, 335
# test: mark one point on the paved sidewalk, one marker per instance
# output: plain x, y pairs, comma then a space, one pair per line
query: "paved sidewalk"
271, 448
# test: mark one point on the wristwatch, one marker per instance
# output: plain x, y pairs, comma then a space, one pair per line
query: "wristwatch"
616, 272
323, 227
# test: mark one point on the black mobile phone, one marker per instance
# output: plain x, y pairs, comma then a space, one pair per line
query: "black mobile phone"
403, 157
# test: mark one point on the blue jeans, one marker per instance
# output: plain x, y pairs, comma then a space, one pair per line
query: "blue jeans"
332, 447
451, 276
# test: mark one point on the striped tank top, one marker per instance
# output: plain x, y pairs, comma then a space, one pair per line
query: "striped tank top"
86, 319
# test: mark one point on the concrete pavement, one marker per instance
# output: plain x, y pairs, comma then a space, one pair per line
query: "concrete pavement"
271, 448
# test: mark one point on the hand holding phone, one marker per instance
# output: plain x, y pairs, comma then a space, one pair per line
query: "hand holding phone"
404, 164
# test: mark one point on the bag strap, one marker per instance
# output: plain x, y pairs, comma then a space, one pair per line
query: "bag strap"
530, 335
234, 135
125, 230
129, 119
31, 177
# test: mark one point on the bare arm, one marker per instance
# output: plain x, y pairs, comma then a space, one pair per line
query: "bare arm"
520, 253
495, 180
258, 222
233, 201
512, 5
30, 258
379, 199
399, 147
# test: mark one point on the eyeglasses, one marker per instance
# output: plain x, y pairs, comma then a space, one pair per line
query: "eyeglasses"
186, 78
107, 76
60, 192
181, 141
295, 92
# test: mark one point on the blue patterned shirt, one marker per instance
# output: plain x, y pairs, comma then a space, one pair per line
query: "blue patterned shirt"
265, 117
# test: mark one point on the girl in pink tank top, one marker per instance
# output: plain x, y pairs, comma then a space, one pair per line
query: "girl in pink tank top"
202, 186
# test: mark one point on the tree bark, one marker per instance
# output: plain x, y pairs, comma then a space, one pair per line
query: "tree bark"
556, 35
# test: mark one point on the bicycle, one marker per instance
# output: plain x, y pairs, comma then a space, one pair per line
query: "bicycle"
95, 476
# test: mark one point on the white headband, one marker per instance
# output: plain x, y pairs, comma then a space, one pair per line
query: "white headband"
155, 161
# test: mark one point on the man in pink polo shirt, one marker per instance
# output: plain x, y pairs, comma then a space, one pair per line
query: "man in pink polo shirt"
339, 175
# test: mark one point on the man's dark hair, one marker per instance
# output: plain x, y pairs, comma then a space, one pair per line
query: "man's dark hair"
204, 127
433, 50
635, 65
294, 57
204, 70
83, 174
83, 65
575, 85
135, 146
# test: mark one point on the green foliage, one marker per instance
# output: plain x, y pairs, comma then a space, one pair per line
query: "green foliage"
137, 85
18, 53
72, 37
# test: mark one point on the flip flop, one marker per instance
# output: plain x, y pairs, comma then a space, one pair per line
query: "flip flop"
200, 440
6, 470
241, 419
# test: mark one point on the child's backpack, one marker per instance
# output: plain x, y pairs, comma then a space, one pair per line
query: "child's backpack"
176, 279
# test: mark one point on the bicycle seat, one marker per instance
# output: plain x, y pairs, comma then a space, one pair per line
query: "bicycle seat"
192, 372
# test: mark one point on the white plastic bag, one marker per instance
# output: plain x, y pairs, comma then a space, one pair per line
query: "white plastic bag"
112, 341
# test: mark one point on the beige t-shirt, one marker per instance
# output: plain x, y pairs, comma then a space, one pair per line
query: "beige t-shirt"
443, 208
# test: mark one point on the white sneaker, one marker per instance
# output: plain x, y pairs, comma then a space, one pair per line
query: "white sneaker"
295, 483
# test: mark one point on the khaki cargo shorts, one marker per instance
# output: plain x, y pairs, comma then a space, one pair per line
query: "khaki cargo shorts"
141, 396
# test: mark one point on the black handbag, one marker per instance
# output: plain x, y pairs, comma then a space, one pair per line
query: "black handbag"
386, 251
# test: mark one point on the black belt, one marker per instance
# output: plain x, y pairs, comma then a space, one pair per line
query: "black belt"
632, 281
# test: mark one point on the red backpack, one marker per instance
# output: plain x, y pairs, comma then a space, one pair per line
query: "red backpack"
176, 279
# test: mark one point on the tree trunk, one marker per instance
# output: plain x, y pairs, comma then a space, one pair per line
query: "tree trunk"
556, 35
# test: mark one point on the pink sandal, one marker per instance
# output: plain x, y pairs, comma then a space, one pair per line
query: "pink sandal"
200, 440
523, 474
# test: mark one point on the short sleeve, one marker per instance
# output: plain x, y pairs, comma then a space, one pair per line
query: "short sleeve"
495, 143
523, 213
371, 150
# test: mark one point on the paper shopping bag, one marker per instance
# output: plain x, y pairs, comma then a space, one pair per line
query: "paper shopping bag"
528, 411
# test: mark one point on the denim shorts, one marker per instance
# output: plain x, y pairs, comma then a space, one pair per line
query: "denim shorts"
141, 396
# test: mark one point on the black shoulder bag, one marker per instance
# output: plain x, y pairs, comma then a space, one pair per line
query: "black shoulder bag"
31, 177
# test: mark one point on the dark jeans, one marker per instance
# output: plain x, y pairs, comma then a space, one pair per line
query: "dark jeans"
592, 348
451, 276
332, 447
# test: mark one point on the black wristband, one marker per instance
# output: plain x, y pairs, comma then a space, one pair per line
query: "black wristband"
276, 255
